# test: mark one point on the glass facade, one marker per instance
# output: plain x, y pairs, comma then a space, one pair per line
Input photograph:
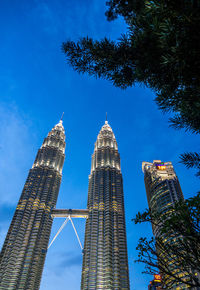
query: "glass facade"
163, 190
23, 253
105, 262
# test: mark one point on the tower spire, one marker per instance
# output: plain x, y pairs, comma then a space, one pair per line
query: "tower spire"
62, 116
106, 122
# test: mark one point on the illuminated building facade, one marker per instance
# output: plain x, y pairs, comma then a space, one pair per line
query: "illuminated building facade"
24, 250
105, 262
162, 186
155, 284
163, 190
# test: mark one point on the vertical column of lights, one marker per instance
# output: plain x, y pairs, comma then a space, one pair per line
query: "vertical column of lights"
105, 262
24, 250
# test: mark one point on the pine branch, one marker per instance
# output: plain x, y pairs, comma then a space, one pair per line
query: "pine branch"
191, 160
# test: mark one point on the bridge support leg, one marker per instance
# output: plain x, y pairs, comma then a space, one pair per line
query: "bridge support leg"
60, 229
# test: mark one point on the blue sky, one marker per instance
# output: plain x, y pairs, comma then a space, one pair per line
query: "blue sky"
36, 86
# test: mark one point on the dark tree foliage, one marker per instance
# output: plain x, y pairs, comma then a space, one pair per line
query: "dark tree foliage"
179, 240
191, 159
160, 49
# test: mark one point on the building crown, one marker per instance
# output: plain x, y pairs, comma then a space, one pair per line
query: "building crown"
58, 131
106, 138
106, 150
51, 153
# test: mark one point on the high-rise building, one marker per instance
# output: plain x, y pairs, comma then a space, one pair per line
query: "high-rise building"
105, 262
163, 191
24, 250
162, 186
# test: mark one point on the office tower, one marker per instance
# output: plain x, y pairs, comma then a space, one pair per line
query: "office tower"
163, 191
105, 263
24, 250
162, 186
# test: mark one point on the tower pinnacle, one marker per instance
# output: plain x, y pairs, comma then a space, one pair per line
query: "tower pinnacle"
106, 122
62, 116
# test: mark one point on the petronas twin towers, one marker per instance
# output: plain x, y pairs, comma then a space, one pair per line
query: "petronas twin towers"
24, 250
105, 263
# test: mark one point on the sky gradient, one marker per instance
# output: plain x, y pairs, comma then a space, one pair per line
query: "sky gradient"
36, 86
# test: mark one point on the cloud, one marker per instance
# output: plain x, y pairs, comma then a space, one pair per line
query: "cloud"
74, 18
67, 278
15, 153
70, 260
48, 20
6, 213
66, 259
62, 268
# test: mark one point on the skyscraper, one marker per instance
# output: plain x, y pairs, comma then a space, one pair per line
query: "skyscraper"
105, 262
24, 250
162, 185
163, 191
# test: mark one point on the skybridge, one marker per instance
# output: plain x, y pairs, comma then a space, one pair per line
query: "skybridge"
68, 214
73, 213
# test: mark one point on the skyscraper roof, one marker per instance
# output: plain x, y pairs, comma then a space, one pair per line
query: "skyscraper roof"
58, 130
106, 137
106, 149
56, 141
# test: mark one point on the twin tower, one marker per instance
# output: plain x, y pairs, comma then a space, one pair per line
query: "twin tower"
105, 263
